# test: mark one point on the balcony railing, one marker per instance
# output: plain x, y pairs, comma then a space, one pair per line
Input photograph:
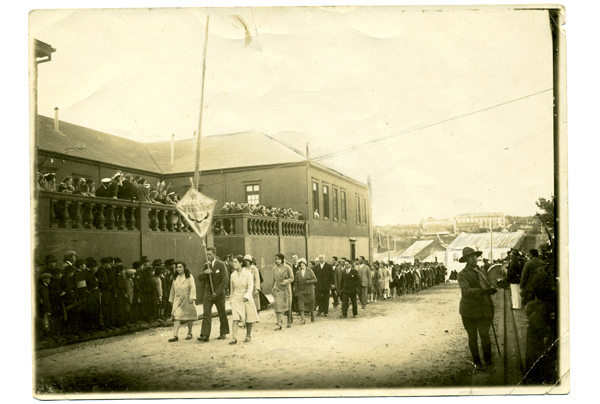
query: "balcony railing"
241, 224
66, 211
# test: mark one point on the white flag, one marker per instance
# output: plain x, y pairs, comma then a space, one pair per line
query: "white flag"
197, 209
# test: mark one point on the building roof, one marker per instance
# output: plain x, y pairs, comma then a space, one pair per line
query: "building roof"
483, 214
482, 240
245, 149
416, 248
218, 152
78, 141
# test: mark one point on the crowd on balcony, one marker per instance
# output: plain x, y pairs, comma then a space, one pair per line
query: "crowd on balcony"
260, 210
119, 186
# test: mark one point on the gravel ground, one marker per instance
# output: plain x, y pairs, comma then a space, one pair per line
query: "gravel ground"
393, 346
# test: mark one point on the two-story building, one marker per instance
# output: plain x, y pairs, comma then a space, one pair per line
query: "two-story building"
248, 167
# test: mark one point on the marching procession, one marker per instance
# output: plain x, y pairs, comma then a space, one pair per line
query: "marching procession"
84, 298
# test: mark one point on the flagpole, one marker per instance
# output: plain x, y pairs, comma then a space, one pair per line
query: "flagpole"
196, 183
491, 243
197, 169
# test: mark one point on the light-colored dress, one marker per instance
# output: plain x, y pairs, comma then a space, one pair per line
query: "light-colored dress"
386, 275
242, 286
182, 290
282, 292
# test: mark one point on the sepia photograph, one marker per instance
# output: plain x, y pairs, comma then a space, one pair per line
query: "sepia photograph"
302, 201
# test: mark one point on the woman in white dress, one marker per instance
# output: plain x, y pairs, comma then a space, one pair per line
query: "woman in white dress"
242, 304
385, 280
183, 298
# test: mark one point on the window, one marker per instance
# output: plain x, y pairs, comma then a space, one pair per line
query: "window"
253, 194
358, 216
316, 200
335, 204
343, 205
455, 257
325, 201
364, 210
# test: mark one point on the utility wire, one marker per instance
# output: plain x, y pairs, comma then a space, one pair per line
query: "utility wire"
355, 147
370, 142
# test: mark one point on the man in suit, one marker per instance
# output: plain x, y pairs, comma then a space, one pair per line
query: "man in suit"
294, 295
337, 276
364, 273
324, 273
350, 286
217, 271
476, 307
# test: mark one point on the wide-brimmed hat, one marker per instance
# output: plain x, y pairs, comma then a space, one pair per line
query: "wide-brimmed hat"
468, 251
157, 262
50, 258
130, 272
248, 257
45, 275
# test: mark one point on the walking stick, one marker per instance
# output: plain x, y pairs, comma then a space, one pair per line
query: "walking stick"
494, 330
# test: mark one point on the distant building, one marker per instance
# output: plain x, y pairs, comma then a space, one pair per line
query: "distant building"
494, 247
472, 222
409, 230
433, 226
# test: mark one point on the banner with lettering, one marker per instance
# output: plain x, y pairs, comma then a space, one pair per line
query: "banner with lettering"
197, 209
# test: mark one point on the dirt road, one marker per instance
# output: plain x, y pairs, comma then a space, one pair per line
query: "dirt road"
409, 342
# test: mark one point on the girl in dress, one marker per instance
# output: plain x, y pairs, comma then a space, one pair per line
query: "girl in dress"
242, 304
183, 300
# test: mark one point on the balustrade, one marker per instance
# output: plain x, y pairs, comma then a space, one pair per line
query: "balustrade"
244, 224
66, 211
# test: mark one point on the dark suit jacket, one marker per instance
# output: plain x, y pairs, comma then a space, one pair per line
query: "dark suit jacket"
337, 276
102, 191
219, 275
350, 282
126, 191
365, 275
324, 276
530, 269
473, 303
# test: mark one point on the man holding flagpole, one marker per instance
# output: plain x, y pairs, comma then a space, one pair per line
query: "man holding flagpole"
214, 294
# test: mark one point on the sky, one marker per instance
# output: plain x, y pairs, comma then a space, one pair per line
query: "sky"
449, 111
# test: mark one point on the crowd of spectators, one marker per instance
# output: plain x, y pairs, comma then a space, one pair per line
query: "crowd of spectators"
83, 298
119, 186
534, 273
260, 210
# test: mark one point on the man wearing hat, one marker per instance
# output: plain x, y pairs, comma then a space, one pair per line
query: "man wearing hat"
69, 258
529, 271
49, 264
106, 291
43, 304
476, 307
513, 276
50, 182
102, 190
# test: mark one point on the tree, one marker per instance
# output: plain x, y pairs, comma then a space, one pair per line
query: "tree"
548, 213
